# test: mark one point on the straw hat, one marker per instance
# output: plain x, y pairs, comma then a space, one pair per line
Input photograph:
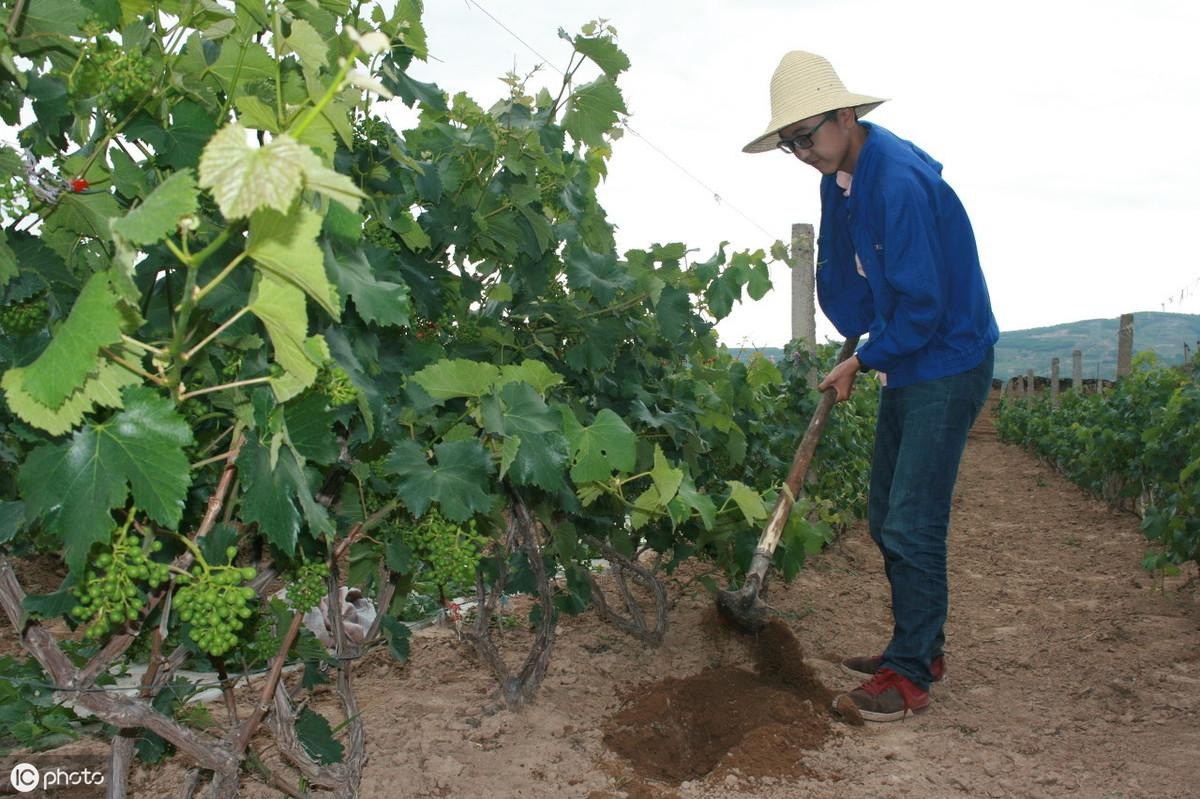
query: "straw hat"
805, 85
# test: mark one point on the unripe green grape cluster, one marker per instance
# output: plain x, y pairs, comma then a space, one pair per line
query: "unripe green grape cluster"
121, 74
216, 604
14, 199
380, 235
451, 551
305, 590
25, 317
109, 596
265, 639
335, 384
371, 130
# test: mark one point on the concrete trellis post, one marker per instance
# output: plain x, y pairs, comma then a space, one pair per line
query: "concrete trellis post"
1054, 382
1077, 371
804, 308
1125, 345
1029, 382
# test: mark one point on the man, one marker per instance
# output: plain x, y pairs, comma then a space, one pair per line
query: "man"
896, 260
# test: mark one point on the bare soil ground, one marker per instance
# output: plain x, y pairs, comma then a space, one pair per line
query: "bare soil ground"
1071, 672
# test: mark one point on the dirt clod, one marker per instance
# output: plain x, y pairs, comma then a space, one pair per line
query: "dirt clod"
724, 718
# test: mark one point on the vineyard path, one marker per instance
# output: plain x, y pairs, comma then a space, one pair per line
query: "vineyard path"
1071, 672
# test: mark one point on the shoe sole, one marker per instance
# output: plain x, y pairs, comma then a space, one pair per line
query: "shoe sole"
870, 715
855, 673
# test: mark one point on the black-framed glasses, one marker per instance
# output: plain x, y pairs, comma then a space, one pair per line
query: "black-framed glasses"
802, 141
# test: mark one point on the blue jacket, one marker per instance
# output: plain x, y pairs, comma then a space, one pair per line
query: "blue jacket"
924, 300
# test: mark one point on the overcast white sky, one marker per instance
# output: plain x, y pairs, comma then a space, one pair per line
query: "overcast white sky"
1066, 127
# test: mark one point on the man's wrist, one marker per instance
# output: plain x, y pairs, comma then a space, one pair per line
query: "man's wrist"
862, 367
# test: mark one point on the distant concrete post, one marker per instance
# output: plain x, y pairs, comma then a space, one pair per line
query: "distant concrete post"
1054, 382
804, 307
1077, 371
1029, 382
1125, 345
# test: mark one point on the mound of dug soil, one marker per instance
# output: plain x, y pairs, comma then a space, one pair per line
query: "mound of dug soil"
727, 718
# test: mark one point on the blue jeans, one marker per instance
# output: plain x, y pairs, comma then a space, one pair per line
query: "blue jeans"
919, 440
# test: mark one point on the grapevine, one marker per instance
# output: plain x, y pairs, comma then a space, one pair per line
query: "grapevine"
108, 595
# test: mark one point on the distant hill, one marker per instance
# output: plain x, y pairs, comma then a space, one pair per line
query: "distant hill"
1161, 333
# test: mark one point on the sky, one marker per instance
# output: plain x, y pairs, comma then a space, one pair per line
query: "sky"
1065, 127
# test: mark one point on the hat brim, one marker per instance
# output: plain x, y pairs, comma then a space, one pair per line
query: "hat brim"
768, 141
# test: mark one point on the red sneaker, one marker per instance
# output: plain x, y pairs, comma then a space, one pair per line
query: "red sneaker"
887, 696
869, 665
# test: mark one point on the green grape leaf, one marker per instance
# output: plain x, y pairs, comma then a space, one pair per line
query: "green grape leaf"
254, 113
310, 428
448, 379
306, 43
270, 496
398, 556
748, 500
127, 176
280, 306
457, 483
759, 282
286, 246
52, 17
12, 519
323, 180
101, 388
666, 477
596, 272
397, 634
380, 302
86, 215
190, 130
8, 260
542, 461
763, 372
592, 110
316, 736
83, 479
604, 51
94, 322
533, 372
244, 178
597, 450
701, 503
508, 453
159, 215
517, 409
644, 507
247, 61
342, 223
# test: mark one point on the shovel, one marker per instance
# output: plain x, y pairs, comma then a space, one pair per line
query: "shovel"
743, 608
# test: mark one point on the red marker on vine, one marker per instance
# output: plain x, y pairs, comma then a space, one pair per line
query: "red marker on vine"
79, 185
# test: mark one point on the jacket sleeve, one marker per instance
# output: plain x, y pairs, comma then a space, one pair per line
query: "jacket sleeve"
911, 257
844, 295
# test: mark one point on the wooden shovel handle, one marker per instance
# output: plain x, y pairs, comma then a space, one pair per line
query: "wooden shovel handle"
800, 463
